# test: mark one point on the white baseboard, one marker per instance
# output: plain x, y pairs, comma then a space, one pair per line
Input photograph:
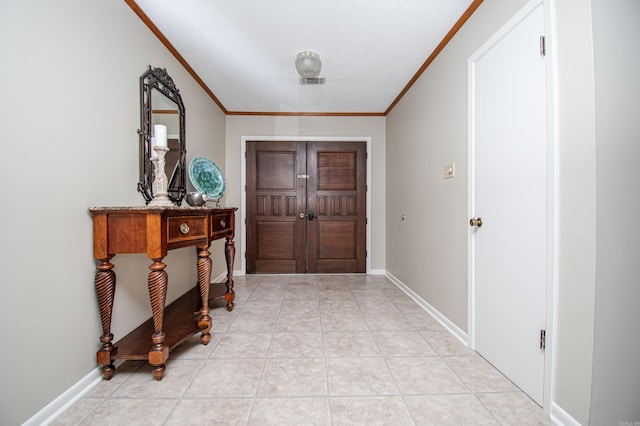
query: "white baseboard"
561, 417
446, 323
66, 399
377, 272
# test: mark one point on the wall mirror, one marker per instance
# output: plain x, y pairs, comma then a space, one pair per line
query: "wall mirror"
161, 103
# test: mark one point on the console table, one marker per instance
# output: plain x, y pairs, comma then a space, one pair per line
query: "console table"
155, 231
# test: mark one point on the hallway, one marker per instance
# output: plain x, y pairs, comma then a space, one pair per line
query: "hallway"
313, 350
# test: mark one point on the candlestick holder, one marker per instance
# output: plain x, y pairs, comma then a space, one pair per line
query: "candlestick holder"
161, 196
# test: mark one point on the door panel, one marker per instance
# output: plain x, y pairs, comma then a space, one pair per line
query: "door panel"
275, 197
336, 194
323, 181
510, 195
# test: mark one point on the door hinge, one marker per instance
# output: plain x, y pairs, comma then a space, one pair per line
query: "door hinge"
543, 46
543, 339
303, 176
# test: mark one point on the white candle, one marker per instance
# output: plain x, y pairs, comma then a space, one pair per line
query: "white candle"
154, 154
160, 135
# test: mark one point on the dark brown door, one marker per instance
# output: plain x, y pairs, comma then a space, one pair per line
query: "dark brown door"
306, 207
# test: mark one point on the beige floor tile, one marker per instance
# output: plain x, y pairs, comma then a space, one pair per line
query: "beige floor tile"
395, 294
479, 375
231, 378
424, 322
343, 349
105, 388
221, 319
290, 411
77, 412
337, 305
377, 307
301, 292
368, 293
177, 377
118, 412
298, 323
242, 345
303, 279
248, 323
388, 322
514, 408
331, 286
260, 306
424, 375
210, 412
359, 376
449, 410
336, 321
273, 282
300, 307
293, 377
349, 344
393, 343
446, 344
365, 411
296, 345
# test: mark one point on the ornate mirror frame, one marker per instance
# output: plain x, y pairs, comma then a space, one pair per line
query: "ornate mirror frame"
154, 82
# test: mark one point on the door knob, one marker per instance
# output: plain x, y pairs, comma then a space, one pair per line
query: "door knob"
475, 222
302, 215
310, 215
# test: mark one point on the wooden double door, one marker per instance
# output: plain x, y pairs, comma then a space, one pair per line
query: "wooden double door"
306, 207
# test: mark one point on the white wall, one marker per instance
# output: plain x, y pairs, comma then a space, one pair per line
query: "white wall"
576, 208
68, 117
616, 365
426, 131
374, 127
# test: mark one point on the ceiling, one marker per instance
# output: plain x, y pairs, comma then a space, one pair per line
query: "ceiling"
242, 51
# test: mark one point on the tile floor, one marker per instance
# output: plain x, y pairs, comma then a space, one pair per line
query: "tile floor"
313, 350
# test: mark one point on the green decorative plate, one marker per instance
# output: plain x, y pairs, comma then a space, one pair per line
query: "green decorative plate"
206, 177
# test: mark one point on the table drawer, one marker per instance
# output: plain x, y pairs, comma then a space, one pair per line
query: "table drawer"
221, 222
186, 228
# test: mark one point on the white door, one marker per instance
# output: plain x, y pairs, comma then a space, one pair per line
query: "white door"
508, 177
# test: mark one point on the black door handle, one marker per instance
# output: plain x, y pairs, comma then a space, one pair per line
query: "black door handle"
310, 215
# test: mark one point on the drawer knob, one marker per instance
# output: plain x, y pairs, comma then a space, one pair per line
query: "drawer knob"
223, 223
184, 228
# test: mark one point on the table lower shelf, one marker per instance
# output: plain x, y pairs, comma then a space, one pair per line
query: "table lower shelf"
180, 322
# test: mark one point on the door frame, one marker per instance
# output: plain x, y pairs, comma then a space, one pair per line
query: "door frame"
552, 188
243, 183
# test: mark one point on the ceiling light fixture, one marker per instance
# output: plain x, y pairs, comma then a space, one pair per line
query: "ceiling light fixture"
308, 65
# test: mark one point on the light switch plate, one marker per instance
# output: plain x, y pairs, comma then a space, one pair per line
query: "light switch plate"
450, 171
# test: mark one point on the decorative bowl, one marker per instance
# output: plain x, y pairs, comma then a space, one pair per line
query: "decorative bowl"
196, 199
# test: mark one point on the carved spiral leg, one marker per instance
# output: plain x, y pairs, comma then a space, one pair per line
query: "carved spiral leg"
204, 281
105, 283
230, 254
159, 352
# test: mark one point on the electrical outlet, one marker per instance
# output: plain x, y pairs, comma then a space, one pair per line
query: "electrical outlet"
450, 171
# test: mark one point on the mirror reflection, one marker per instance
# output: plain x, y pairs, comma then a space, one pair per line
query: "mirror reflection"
164, 111
161, 103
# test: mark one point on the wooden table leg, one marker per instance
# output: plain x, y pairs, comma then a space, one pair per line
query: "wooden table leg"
204, 281
158, 281
105, 282
230, 254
